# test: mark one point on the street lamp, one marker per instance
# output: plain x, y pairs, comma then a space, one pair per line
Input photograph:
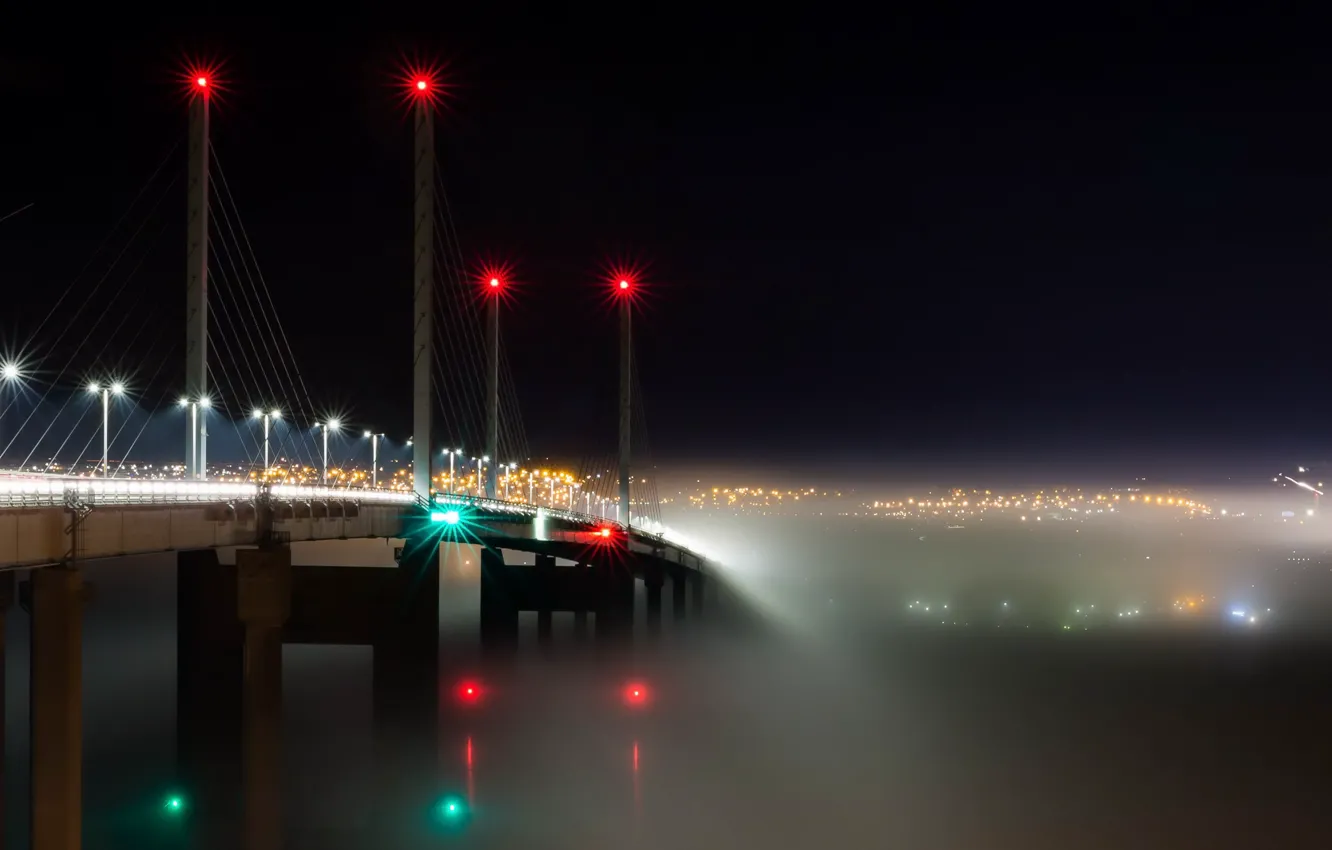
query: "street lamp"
480, 466
508, 477
11, 372
268, 417
330, 425
196, 445
374, 459
452, 453
106, 392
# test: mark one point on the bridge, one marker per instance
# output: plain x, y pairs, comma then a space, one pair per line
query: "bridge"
234, 618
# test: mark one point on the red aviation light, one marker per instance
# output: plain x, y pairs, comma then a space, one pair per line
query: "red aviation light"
202, 79
422, 85
636, 694
469, 692
496, 280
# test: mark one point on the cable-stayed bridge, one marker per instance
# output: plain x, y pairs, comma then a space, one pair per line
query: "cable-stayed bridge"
71, 403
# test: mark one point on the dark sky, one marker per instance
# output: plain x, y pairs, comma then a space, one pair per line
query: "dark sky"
899, 239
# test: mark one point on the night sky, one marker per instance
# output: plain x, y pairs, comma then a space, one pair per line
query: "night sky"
886, 242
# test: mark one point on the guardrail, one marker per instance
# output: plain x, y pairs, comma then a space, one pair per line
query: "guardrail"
51, 490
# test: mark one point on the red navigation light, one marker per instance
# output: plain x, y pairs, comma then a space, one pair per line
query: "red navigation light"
624, 284
469, 692
636, 694
495, 279
201, 79
605, 532
422, 84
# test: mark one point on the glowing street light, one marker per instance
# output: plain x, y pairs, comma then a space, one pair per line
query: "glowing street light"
106, 392
374, 459
11, 372
268, 418
330, 425
196, 445
452, 453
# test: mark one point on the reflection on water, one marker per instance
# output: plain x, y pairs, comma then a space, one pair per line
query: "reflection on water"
912, 739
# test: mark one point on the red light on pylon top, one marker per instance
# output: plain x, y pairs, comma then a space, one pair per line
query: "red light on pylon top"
636, 694
494, 283
422, 85
469, 692
201, 79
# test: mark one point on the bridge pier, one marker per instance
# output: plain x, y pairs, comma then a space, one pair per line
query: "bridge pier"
697, 588
6, 601
652, 584
406, 697
210, 651
545, 574
615, 605
678, 578
263, 605
499, 611
57, 708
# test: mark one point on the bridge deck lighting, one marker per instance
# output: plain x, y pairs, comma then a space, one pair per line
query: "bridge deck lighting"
205, 402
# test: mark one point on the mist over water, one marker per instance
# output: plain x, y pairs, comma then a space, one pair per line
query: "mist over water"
854, 721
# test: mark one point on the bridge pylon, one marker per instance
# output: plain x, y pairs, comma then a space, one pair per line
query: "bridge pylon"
196, 277
423, 306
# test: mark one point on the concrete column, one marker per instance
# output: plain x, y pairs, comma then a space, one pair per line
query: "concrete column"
615, 611
545, 568
406, 700
263, 595
210, 644
653, 581
57, 709
697, 587
499, 614
6, 600
653, 589
580, 615
678, 596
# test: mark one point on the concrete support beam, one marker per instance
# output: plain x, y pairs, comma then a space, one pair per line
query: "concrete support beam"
263, 596
545, 568
499, 613
210, 643
57, 709
6, 601
653, 608
678, 596
615, 609
406, 699
697, 586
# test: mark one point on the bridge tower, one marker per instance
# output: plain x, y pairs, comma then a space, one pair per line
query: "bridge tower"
423, 336
494, 287
196, 289
624, 289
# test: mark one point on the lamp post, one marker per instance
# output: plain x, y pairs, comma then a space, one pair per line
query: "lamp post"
332, 425
193, 466
374, 459
268, 418
106, 392
453, 454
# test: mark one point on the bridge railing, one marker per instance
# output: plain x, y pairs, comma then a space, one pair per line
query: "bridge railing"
530, 510
52, 490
